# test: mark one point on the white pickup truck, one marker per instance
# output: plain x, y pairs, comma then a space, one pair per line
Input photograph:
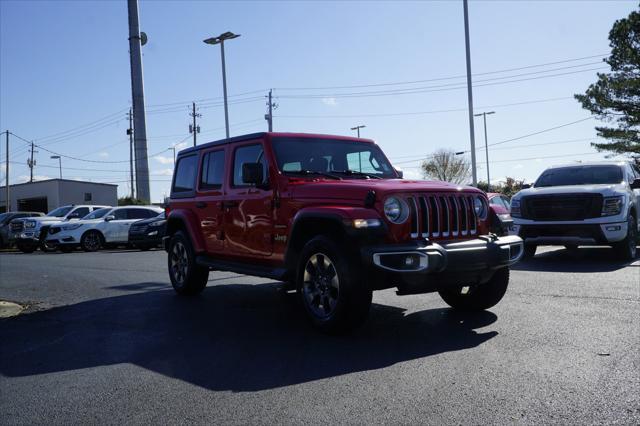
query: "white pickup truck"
581, 204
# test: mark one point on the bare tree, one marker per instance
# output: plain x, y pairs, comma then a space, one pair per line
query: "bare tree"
446, 166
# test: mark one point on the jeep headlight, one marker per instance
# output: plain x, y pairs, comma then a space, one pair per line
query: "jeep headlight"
395, 210
30, 224
480, 206
71, 227
612, 206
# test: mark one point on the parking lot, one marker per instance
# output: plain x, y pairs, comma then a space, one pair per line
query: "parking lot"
105, 340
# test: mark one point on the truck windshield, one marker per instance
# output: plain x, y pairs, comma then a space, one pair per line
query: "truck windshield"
580, 175
60, 211
331, 157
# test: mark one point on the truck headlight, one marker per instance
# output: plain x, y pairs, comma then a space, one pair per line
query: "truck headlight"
612, 206
30, 224
395, 210
515, 208
480, 206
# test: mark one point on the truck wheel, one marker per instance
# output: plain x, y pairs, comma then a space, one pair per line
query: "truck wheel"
335, 299
91, 241
26, 247
479, 297
529, 251
187, 277
626, 249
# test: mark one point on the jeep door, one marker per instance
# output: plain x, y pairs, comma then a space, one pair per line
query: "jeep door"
248, 215
210, 197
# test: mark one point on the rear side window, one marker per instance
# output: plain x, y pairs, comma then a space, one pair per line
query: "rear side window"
120, 214
140, 214
185, 174
212, 170
248, 154
81, 212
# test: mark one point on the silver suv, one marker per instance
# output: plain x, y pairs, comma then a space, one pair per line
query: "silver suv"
581, 204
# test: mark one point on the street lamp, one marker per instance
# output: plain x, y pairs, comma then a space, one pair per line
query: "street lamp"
486, 145
357, 128
57, 157
220, 40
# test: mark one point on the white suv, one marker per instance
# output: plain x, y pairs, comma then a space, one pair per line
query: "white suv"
105, 226
581, 204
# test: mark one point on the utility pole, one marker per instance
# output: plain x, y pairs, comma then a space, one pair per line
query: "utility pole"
271, 105
470, 94
7, 202
31, 163
173, 148
486, 144
194, 128
130, 133
357, 128
136, 40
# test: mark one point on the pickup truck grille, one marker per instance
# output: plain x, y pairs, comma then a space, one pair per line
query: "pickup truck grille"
17, 226
441, 215
561, 207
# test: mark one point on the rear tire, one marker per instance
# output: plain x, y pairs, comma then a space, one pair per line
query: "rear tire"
187, 277
47, 247
334, 296
480, 297
91, 241
626, 249
529, 251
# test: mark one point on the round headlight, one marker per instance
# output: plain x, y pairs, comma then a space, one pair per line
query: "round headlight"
480, 207
30, 224
395, 210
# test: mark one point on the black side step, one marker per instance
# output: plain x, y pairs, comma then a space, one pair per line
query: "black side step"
242, 268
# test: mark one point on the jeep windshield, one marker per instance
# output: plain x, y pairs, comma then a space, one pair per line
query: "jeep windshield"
345, 159
60, 211
580, 175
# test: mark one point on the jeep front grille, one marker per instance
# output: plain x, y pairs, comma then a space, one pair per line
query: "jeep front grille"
441, 216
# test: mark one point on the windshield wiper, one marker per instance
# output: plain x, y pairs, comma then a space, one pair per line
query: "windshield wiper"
305, 172
356, 173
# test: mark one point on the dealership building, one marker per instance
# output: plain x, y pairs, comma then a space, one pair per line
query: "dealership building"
46, 195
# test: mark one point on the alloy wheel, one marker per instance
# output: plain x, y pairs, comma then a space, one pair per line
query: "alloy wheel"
92, 241
179, 262
321, 286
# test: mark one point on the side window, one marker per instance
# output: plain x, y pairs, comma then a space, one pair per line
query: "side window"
121, 214
185, 174
248, 154
81, 212
212, 170
139, 214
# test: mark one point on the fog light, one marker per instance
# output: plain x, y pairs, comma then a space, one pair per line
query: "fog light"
614, 228
152, 233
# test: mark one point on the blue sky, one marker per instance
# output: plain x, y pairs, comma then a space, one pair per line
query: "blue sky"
64, 71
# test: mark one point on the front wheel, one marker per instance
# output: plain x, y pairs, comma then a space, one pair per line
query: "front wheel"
187, 277
47, 247
626, 249
480, 297
91, 241
334, 296
529, 251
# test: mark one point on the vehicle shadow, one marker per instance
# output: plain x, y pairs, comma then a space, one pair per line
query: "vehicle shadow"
583, 259
241, 338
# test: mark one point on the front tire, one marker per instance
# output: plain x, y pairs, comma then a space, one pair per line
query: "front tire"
26, 247
47, 247
480, 297
626, 249
334, 296
187, 277
91, 241
529, 251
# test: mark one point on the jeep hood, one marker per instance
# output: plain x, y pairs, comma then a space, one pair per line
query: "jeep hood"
357, 189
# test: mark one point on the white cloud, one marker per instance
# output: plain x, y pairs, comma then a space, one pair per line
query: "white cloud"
413, 174
330, 101
25, 178
164, 160
163, 172
103, 154
182, 145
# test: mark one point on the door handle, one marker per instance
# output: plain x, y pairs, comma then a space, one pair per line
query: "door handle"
201, 204
229, 204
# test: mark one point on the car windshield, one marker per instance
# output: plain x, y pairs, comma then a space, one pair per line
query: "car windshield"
580, 175
331, 158
160, 216
97, 214
60, 211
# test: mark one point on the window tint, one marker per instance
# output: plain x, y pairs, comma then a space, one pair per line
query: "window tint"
248, 154
97, 214
81, 212
120, 214
185, 174
141, 214
212, 170
580, 175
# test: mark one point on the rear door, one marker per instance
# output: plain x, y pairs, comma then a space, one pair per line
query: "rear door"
209, 206
248, 210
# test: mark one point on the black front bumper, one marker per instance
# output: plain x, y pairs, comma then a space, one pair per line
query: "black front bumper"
426, 266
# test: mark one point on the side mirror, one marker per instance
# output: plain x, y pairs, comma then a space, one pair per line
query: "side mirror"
109, 218
400, 173
526, 186
635, 184
252, 173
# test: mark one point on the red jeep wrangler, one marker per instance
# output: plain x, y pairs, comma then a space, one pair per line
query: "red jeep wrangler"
330, 217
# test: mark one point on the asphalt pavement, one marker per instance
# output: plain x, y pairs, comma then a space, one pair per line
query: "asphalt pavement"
104, 339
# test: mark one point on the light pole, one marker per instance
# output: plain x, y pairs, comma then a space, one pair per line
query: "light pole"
220, 40
57, 157
357, 128
472, 133
486, 145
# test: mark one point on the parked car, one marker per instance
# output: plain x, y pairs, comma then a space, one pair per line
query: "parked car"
500, 207
6, 237
148, 233
581, 204
29, 233
331, 217
108, 226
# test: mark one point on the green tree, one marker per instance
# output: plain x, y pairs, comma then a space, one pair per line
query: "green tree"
128, 201
615, 97
444, 165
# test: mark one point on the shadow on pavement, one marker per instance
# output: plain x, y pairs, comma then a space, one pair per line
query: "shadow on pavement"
231, 337
583, 259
